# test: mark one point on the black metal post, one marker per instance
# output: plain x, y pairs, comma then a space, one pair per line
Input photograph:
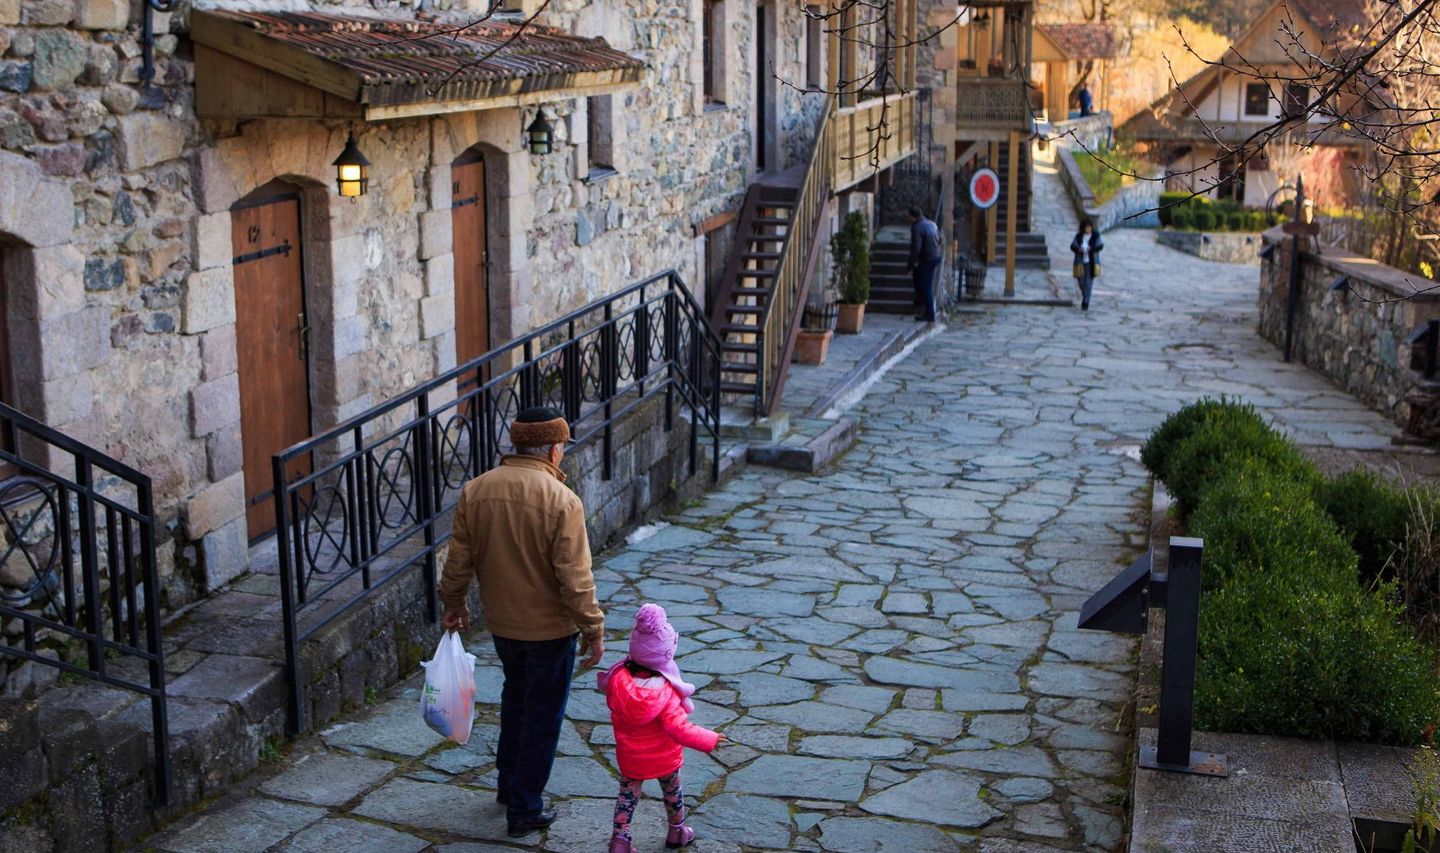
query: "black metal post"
289, 564
609, 369
89, 563
155, 645
427, 500
1432, 347
1177, 670
1292, 299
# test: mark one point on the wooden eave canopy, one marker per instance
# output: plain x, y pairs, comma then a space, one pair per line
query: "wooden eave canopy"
303, 64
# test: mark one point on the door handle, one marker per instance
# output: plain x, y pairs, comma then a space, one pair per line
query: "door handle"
304, 336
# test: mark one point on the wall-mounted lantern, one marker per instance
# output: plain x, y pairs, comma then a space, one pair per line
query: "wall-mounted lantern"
540, 135
352, 170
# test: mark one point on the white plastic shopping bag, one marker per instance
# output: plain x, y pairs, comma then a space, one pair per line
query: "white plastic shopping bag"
448, 700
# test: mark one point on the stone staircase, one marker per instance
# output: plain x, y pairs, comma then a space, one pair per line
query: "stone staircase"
891, 289
1031, 251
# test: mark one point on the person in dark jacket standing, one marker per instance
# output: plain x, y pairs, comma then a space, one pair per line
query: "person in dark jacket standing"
520, 533
925, 254
1086, 246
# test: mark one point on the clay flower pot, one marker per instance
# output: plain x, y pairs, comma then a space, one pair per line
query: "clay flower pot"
812, 346
852, 318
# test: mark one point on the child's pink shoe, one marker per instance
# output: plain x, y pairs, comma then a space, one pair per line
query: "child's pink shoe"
679, 836
619, 845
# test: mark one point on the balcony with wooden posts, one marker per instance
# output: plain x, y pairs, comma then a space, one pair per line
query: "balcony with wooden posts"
871, 136
995, 50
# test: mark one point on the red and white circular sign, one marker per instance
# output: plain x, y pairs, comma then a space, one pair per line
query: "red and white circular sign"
984, 188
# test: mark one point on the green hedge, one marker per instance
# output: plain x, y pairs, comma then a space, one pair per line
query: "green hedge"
1257, 519
1293, 641
1373, 515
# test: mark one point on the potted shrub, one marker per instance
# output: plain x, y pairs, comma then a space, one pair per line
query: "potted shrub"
850, 256
813, 342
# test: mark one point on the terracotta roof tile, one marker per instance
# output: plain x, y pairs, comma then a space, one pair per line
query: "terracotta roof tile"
407, 60
1082, 41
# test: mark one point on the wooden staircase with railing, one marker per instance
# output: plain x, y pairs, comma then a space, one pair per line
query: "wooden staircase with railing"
761, 299
749, 282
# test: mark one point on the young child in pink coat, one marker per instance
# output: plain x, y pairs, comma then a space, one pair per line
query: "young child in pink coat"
650, 706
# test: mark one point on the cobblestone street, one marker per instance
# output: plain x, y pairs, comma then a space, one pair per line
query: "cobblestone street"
890, 646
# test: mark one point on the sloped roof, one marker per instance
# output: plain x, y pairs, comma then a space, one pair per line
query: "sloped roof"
393, 61
1331, 15
1082, 41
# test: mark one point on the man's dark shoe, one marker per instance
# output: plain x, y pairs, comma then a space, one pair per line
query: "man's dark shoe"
502, 798
525, 826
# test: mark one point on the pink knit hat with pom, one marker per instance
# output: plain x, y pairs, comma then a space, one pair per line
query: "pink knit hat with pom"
652, 645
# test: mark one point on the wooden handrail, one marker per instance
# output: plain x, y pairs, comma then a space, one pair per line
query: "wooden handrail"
787, 297
873, 135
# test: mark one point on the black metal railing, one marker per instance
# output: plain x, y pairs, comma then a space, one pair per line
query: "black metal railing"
1424, 344
77, 546
365, 502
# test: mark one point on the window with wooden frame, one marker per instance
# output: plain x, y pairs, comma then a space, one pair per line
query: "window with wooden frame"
814, 53
1297, 99
712, 52
599, 138
1257, 99
1232, 180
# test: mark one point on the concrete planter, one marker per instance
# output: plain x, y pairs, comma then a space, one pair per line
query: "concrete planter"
852, 318
1229, 247
811, 347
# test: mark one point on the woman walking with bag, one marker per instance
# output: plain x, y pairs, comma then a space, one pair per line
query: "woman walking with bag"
1086, 246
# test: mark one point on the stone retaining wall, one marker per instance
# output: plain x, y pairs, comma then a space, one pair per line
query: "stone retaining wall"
1226, 247
1355, 335
1092, 132
76, 771
1132, 206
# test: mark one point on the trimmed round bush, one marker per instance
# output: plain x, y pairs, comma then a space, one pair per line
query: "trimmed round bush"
1281, 658
1204, 219
1372, 514
1170, 204
1235, 221
1159, 449
1220, 447
1180, 218
1254, 520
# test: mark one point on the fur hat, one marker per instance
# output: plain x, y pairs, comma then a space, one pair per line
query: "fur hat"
539, 426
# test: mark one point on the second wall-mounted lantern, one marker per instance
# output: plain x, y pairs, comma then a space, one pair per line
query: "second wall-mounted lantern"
352, 170
540, 135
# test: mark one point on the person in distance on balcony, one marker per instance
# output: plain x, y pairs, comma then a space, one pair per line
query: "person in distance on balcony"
1086, 247
1087, 101
520, 533
925, 254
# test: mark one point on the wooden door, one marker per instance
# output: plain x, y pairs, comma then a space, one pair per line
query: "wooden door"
270, 332
762, 80
472, 296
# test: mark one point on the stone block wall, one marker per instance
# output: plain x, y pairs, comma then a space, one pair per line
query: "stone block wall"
1091, 133
1356, 335
1229, 247
115, 248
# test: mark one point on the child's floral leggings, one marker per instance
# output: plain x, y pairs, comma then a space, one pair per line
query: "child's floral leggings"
630, 797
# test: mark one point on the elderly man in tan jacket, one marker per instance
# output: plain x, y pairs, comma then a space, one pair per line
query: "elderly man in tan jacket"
521, 534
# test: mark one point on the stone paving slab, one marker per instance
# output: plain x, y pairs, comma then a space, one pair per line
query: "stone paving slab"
890, 645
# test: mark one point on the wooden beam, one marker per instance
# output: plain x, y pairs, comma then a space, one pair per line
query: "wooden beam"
236, 39
992, 213
226, 87
715, 223
388, 112
967, 155
1012, 211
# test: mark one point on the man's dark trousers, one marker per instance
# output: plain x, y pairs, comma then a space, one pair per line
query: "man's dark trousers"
924, 278
532, 709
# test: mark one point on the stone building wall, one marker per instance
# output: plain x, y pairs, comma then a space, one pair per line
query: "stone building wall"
115, 231
1356, 335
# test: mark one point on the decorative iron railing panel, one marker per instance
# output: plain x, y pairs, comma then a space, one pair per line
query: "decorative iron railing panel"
78, 584
993, 102
382, 483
